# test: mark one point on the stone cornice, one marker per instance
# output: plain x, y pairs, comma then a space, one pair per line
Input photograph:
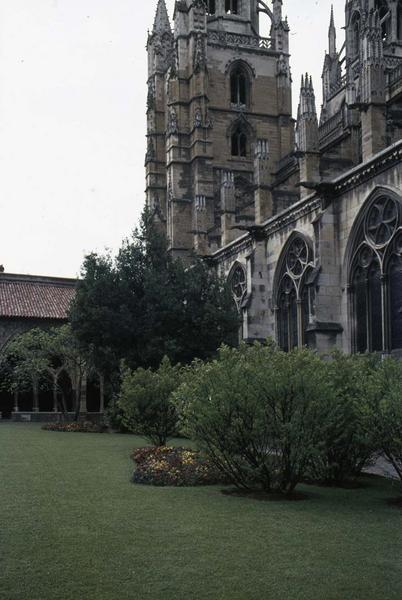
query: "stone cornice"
378, 164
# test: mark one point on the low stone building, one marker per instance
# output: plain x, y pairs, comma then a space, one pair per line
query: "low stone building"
304, 217
28, 302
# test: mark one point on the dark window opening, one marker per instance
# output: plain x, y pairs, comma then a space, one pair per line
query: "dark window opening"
395, 293
368, 308
287, 317
232, 7
210, 6
360, 309
239, 144
384, 13
238, 88
399, 20
374, 283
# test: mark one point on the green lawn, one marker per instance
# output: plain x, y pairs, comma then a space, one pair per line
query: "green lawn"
73, 527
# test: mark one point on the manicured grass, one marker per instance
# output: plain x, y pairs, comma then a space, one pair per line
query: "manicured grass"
74, 528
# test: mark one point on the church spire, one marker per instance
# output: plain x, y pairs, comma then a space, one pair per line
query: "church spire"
332, 34
161, 23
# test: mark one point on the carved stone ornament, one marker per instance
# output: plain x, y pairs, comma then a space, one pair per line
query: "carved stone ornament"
199, 5
172, 126
151, 94
283, 66
200, 59
150, 155
198, 118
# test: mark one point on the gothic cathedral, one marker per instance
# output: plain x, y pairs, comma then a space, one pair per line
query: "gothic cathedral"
303, 217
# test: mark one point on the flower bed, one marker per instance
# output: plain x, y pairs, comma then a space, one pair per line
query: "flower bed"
173, 467
76, 427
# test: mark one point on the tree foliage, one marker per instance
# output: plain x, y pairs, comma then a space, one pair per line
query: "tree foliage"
35, 359
143, 305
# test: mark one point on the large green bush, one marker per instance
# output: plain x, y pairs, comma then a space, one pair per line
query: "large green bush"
349, 441
384, 393
261, 415
145, 400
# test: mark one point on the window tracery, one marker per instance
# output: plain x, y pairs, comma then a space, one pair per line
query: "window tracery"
294, 296
376, 278
238, 285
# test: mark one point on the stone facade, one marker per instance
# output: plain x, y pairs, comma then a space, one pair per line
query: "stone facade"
303, 217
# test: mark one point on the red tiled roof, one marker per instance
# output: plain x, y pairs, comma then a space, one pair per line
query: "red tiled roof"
28, 297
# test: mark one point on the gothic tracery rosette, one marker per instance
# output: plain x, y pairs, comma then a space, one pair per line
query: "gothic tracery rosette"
365, 256
382, 221
297, 257
238, 284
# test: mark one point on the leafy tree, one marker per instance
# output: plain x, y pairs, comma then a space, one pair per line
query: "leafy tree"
145, 400
37, 355
24, 362
258, 413
143, 305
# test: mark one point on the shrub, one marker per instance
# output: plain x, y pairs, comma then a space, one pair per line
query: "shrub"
259, 414
145, 400
384, 390
349, 441
114, 417
164, 466
76, 427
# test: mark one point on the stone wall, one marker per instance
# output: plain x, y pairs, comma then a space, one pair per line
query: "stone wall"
327, 221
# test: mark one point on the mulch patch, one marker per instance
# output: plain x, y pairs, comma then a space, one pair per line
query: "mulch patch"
265, 497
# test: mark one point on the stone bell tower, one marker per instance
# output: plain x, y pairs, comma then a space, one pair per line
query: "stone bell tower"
219, 119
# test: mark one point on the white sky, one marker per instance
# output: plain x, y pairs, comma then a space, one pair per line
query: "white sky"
72, 121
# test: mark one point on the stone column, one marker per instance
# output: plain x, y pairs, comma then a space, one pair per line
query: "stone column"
35, 396
101, 394
55, 401
16, 402
83, 395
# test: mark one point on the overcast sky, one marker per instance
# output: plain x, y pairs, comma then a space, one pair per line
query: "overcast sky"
72, 121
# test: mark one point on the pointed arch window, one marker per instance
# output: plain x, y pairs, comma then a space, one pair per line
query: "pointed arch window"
376, 278
239, 143
384, 13
232, 7
294, 297
239, 87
